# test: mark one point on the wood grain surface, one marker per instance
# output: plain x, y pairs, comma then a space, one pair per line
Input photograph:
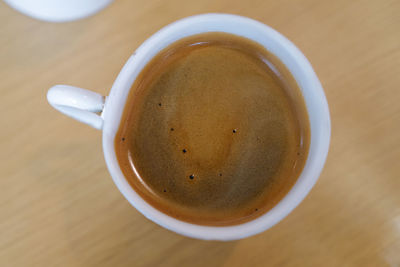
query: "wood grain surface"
59, 206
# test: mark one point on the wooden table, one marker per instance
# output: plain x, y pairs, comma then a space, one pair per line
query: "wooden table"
59, 206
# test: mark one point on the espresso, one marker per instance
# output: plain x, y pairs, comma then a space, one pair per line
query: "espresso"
214, 131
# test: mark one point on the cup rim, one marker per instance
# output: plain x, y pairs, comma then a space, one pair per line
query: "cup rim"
251, 29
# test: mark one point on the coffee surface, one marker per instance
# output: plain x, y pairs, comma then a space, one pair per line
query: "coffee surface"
214, 131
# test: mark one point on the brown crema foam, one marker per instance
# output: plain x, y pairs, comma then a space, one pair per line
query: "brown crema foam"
214, 132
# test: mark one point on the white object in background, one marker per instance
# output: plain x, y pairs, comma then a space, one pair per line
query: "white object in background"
286, 51
58, 10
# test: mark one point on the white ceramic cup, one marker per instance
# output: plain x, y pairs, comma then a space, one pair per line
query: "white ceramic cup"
82, 105
58, 10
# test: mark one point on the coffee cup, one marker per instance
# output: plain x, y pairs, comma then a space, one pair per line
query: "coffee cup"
105, 113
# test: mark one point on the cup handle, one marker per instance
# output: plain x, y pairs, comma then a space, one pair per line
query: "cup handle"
78, 103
